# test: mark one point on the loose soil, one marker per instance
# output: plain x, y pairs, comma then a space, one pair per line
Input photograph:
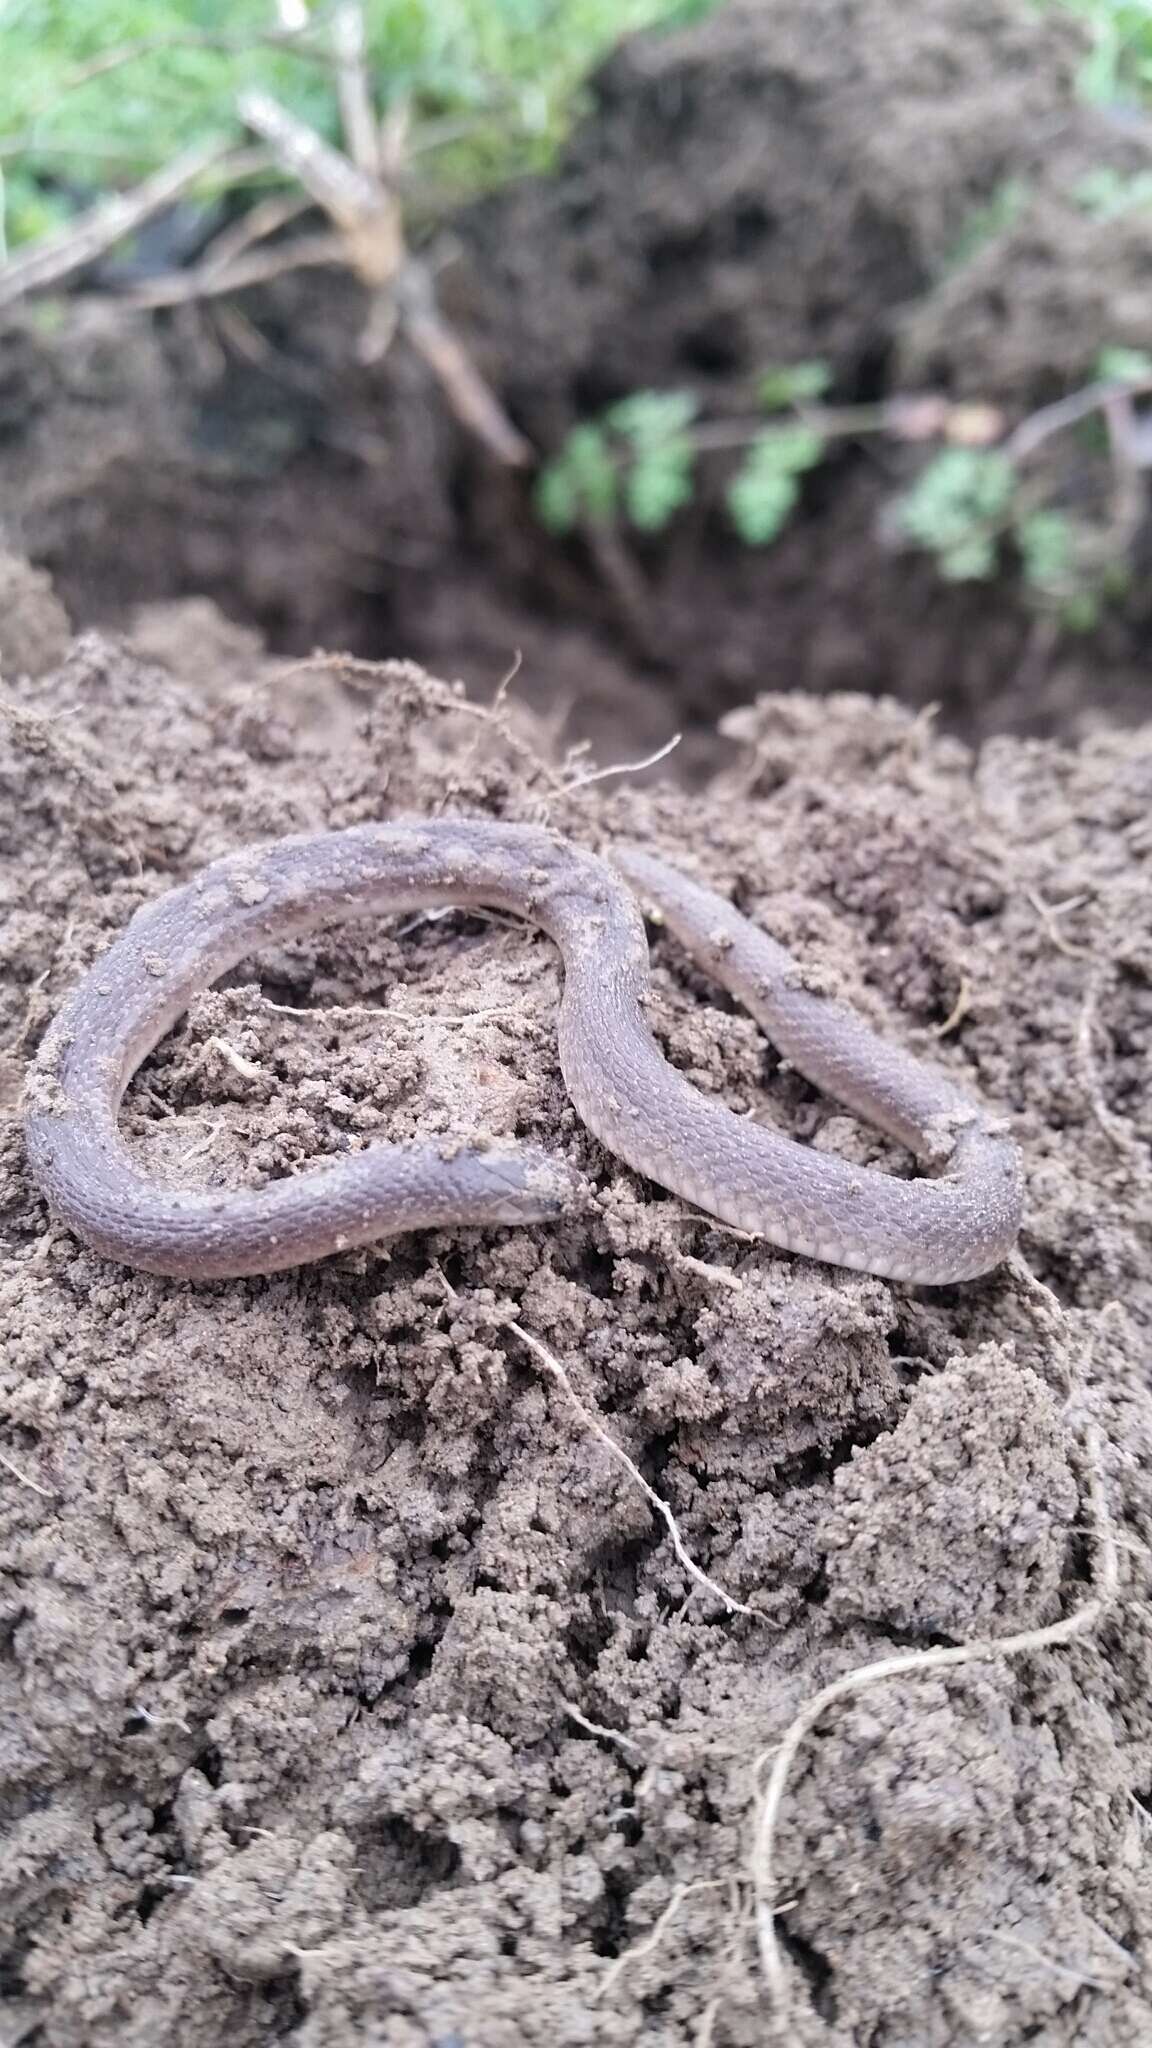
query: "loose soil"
353, 1692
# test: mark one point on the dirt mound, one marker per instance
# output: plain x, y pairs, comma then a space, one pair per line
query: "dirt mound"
779, 182
891, 190
352, 1689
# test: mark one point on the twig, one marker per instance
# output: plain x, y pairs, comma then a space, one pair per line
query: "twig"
695, 1572
356, 668
470, 397
1067, 412
912, 1664
307, 252
266, 218
1028, 1948
716, 1276
367, 215
55, 257
356, 116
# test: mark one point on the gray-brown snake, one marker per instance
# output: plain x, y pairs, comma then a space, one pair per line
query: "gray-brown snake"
930, 1231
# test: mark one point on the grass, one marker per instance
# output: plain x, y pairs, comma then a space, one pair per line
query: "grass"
505, 75
1119, 65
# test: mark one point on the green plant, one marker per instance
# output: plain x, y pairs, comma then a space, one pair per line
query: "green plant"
1124, 366
790, 384
641, 455
958, 509
1107, 194
1119, 63
658, 471
95, 95
765, 490
977, 507
580, 484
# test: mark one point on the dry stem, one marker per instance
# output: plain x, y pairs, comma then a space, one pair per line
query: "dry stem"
56, 257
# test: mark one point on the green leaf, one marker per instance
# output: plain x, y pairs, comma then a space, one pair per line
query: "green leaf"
555, 498
1047, 544
580, 483
658, 484
760, 503
764, 490
648, 417
1123, 365
1109, 194
956, 507
1081, 613
967, 560
792, 384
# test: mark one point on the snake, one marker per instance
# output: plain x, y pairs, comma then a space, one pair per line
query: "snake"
952, 1223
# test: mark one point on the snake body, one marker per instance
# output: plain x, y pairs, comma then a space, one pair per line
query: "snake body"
926, 1230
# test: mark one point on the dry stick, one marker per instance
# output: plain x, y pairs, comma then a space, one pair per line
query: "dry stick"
56, 257
1067, 412
958, 1012
266, 218
592, 1422
309, 252
369, 218
471, 398
914, 1663
349, 47
366, 214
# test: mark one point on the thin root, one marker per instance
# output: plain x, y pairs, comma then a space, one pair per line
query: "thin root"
914, 1664
592, 1422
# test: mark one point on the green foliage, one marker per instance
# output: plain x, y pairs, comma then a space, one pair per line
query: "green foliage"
793, 384
957, 510
1107, 194
1123, 365
640, 451
1119, 64
581, 482
509, 71
1046, 542
971, 508
658, 474
764, 492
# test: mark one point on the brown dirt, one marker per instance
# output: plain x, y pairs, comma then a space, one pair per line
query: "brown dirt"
313, 1585
780, 182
